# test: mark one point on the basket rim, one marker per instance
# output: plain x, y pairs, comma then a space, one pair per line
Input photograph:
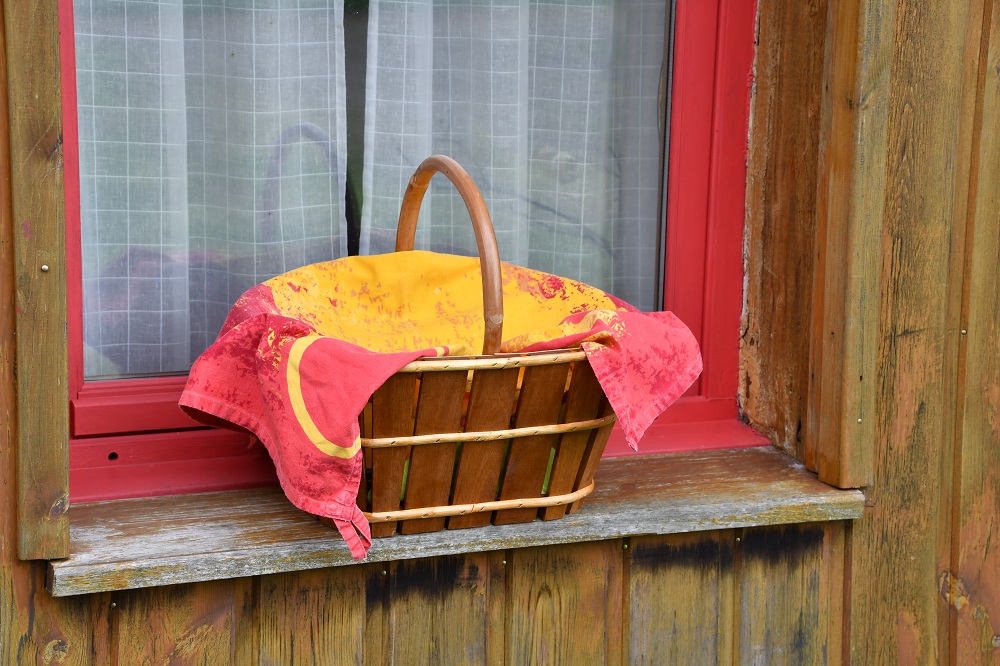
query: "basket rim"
494, 361
446, 510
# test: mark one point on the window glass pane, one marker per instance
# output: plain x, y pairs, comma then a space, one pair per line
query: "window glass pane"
214, 144
212, 157
553, 107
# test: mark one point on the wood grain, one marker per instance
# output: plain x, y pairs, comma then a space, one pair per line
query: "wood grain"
780, 575
166, 540
34, 627
781, 218
392, 416
312, 617
477, 476
680, 598
897, 615
36, 179
973, 591
583, 399
847, 292
376, 637
439, 410
189, 624
565, 604
449, 596
527, 461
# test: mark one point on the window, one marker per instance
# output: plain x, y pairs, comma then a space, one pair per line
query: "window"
212, 146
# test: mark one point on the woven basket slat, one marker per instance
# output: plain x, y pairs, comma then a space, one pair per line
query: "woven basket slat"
477, 476
583, 399
595, 449
540, 402
439, 409
472, 464
392, 416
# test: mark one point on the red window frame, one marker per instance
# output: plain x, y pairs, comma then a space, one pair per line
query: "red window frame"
129, 439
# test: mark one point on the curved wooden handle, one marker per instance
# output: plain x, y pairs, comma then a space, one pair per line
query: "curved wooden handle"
489, 254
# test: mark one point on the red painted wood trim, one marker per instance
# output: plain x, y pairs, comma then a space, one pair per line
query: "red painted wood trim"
727, 200
128, 407
103, 468
693, 97
71, 180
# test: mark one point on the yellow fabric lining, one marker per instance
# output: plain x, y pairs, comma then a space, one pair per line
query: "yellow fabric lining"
406, 301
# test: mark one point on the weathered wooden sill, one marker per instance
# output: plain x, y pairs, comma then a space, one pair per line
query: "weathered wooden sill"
186, 538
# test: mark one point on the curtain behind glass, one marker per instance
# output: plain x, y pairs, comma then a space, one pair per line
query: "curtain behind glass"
212, 157
553, 109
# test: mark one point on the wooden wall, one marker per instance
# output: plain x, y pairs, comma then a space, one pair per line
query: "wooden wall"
754, 596
891, 169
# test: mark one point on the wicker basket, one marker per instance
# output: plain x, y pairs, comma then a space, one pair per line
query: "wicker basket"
462, 442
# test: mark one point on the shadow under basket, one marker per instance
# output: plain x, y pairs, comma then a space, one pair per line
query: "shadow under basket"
462, 442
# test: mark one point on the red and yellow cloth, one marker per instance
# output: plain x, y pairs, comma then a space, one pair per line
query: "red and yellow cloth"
301, 354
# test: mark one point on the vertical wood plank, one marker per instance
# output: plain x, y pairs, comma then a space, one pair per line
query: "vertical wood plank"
846, 301
974, 590
392, 416
781, 217
376, 625
565, 604
897, 614
34, 627
834, 589
191, 624
491, 405
782, 614
540, 402
438, 610
439, 410
592, 455
496, 610
680, 598
35, 174
582, 402
312, 617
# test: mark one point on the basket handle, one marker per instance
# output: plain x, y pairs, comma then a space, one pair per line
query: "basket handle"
489, 254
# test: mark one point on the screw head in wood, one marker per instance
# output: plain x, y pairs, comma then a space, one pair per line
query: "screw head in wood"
964, 332
859, 420
114, 605
737, 539
996, 641
504, 562
45, 268
384, 572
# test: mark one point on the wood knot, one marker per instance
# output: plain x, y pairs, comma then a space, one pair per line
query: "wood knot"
59, 508
55, 652
953, 590
51, 145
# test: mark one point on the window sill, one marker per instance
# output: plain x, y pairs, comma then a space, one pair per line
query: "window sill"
153, 541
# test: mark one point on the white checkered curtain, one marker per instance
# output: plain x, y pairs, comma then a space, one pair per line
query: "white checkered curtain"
212, 157
553, 109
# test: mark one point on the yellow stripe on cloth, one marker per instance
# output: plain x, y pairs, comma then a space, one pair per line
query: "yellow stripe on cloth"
299, 404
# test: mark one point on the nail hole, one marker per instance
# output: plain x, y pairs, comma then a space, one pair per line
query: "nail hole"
112, 456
